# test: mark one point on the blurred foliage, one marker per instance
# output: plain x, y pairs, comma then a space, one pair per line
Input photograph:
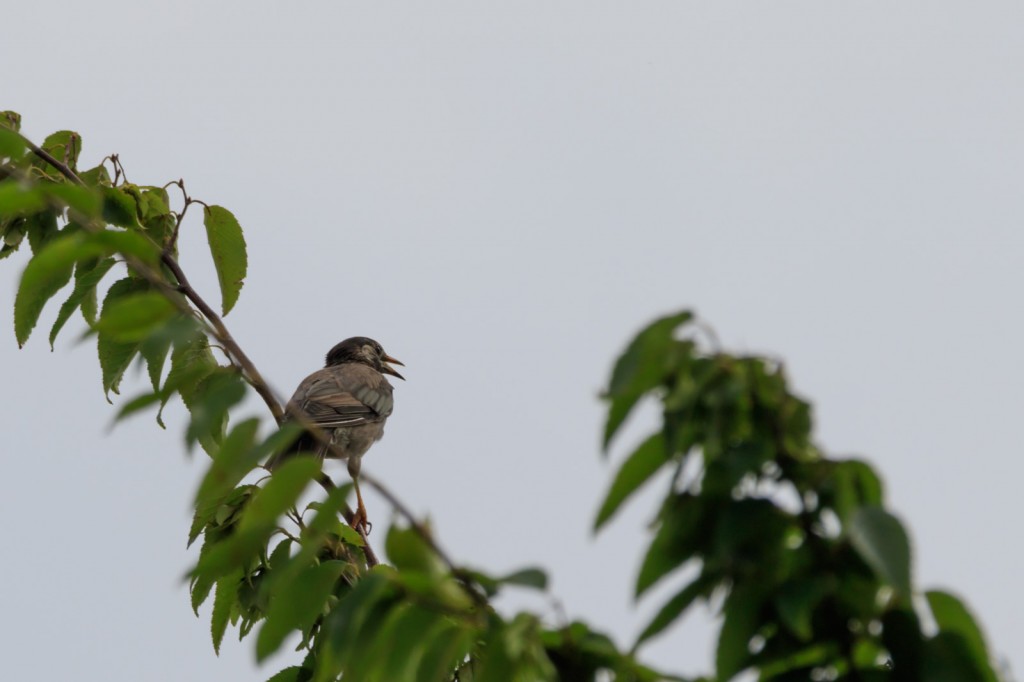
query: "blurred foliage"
810, 572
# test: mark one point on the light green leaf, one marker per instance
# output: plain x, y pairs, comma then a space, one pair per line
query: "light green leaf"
223, 601
227, 246
115, 355
17, 198
295, 604
44, 276
86, 281
134, 317
231, 463
880, 540
638, 468
63, 145
12, 145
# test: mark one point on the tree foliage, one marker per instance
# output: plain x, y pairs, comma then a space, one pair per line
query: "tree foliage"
798, 552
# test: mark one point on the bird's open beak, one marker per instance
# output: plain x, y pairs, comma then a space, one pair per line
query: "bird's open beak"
387, 369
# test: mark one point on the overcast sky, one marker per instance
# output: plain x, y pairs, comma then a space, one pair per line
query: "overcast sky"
502, 195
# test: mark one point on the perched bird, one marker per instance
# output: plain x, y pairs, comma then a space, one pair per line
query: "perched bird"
350, 399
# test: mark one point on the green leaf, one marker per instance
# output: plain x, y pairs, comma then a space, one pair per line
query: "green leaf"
344, 622
63, 145
948, 658
227, 246
638, 468
409, 552
951, 615
213, 397
86, 201
642, 367
259, 517
120, 207
134, 317
116, 355
292, 673
86, 281
796, 601
17, 198
675, 607
880, 540
12, 145
223, 600
686, 519
230, 463
527, 577
295, 604
740, 624
44, 276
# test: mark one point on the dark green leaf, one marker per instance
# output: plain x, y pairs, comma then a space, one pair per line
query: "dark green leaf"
213, 397
227, 246
290, 674
638, 468
740, 624
342, 625
948, 658
675, 607
796, 601
86, 281
880, 540
120, 207
686, 520
642, 367
951, 615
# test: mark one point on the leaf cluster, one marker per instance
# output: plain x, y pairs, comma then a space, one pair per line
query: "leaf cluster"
811, 573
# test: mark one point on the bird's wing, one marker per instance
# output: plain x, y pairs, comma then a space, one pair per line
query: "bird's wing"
346, 395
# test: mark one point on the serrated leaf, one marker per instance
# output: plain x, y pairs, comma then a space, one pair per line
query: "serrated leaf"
44, 276
63, 145
259, 517
209, 404
115, 355
120, 207
638, 468
880, 540
223, 601
231, 463
85, 282
227, 246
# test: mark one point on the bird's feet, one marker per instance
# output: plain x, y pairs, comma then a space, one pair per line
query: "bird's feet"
360, 522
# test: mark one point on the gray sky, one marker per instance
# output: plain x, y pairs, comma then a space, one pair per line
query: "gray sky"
502, 195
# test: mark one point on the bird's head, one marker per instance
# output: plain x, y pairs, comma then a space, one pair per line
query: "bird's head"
365, 351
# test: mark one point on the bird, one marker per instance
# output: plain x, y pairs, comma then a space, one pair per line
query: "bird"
350, 399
